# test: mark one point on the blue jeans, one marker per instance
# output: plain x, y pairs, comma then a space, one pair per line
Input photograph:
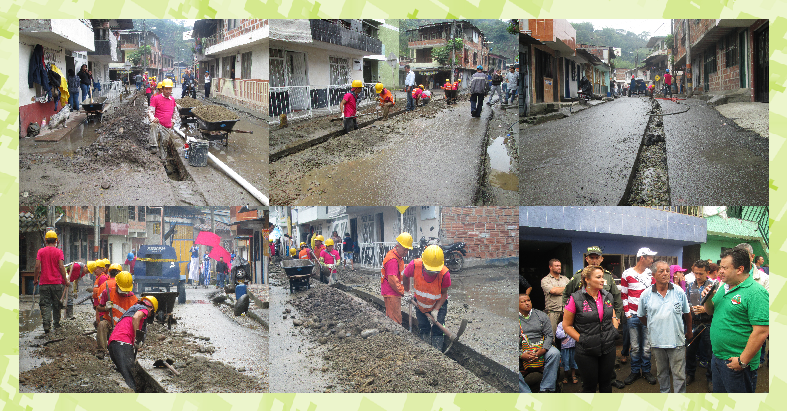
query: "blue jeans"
552, 359
568, 359
639, 346
626, 340
139, 85
477, 101
494, 89
85, 90
512, 94
701, 346
424, 324
725, 380
524, 388
409, 103
73, 100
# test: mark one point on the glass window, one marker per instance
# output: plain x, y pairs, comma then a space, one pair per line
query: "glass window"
246, 65
339, 71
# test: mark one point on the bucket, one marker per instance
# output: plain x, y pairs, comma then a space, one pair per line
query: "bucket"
198, 153
241, 290
608, 94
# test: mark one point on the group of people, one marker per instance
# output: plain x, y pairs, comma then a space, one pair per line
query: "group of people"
505, 85
715, 316
120, 315
79, 82
325, 253
201, 270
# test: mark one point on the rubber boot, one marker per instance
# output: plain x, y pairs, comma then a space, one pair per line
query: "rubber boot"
438, 342
70, 312
425, 337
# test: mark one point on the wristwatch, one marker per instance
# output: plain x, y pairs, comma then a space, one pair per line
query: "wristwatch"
744, 366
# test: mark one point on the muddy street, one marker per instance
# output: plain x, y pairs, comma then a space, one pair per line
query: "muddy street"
212, 350
354, 341
435, 147
110, 160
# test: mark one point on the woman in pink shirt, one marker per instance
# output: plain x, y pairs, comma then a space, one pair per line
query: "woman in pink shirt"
330, 257
125, 340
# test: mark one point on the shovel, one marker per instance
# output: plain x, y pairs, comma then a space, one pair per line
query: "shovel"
358, 115
162, 363
33, 307
452, 337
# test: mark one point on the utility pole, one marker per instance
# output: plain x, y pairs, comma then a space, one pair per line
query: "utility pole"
688, 74
95, 232
452, 32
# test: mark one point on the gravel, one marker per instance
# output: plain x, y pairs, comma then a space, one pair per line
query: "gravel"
189, 102
650, 186
214, 113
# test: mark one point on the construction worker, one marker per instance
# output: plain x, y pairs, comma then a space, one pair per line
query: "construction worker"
417, 94
386, 99
101, 276
447, 91
52, 276
128, 336
293, 252
116, 298
158, 89
162, 113
329, 257
76, 271
304, 253
392, 276
431, 281
319, 247
348, 106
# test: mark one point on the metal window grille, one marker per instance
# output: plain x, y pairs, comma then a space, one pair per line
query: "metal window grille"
246, 65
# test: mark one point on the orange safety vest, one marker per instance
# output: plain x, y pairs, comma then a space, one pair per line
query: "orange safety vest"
318, 250
427, 293
304, 254
120, 304
392, 254
386, 96
447, 86
97, 286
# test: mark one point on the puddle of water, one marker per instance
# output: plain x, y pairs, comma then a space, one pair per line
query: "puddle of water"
501, 164
495, 300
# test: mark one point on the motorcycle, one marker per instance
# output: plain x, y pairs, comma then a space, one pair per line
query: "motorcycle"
585, 90
189, 88
453, 254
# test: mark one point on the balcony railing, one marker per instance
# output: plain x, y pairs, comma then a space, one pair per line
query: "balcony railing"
758, 214
247, 93
372, 254
303, 102
105, 48
329, 32
696, 211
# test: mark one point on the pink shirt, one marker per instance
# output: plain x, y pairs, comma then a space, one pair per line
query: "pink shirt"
571, 305
408, 272
76, 272
350, 105
391, 267
124, 330
50, 258
330, 258
164, 109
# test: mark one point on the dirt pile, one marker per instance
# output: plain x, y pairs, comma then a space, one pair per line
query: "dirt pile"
370, 353
214, 113
201, 375
189, 102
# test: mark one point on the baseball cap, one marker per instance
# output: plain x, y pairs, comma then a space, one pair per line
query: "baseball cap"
645, 251
594, 250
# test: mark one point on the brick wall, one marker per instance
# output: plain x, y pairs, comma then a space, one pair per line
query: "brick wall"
246, 26
489, 232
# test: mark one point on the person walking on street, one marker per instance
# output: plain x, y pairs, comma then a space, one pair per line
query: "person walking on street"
162, 113
410, 82
553, 285
347, 250
740, 324
495, 88
511, 78
128, 336
431, 282
348, 106
634, 282
84, 81
138, 81
207, 83
700, 342
392, 276
51, 278
221, 272
665, 311
73, 90
479, 88
589, 318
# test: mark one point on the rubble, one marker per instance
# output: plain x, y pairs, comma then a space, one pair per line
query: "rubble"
214, 113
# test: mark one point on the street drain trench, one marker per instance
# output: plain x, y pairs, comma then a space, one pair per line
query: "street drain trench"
173, 165
144, 382
648, 184
491, 372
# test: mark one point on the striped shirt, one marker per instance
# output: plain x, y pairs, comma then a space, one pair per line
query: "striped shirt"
632, 285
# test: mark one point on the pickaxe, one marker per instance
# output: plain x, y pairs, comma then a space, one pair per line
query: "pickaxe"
452, 337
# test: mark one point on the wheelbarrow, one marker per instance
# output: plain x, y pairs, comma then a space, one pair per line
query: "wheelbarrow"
95, 108
166, 304
299, 272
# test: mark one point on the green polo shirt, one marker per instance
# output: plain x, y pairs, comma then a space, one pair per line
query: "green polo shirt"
735, 312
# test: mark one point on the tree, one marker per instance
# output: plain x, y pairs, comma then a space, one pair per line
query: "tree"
443, 55
135, 56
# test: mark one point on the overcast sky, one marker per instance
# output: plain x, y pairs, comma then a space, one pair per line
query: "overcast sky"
655, 26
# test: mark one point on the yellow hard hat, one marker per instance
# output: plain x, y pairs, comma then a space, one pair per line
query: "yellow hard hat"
329, 242
116, 266
153, 301
91, 266
357, 83
124, 281
421, 87
379, 87
319, 237
405, 240
302, 244
447, 79
51, 235
167, 83
159, 85
433, 258
293, 251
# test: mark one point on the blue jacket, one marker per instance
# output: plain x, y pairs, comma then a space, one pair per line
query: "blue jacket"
37, 70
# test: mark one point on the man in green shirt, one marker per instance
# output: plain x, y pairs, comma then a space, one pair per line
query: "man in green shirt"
594, 257
739, 326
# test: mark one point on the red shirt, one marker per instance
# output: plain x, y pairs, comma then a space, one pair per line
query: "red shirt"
50, 258
667, 79
164, 109
417, 93
76, 272
350, 105
124, 330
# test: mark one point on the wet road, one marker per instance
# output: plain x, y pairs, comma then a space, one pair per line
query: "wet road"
713, 161
584, 159
500, 185
436, 162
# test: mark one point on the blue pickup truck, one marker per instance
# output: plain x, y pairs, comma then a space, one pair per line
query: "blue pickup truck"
157, 270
